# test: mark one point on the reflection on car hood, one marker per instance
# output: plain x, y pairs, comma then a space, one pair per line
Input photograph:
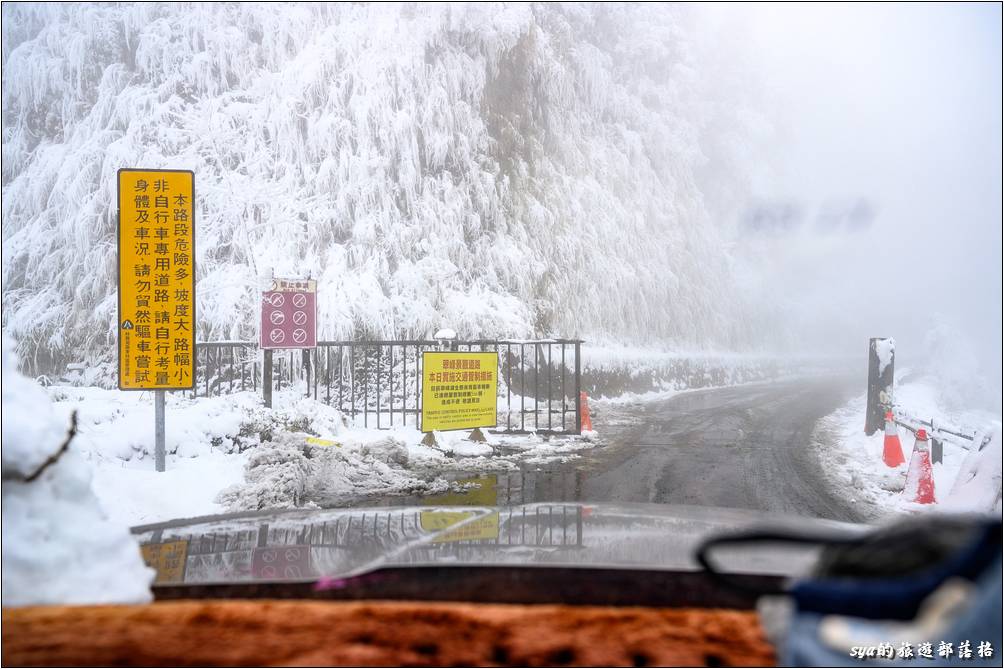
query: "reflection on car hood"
306, 545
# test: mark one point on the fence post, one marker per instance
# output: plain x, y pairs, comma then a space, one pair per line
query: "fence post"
266, 379
305, 359
578, 389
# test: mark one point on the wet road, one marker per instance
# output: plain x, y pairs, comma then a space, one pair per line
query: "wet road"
747, 447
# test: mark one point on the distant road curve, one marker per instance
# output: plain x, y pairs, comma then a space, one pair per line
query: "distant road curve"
744, 447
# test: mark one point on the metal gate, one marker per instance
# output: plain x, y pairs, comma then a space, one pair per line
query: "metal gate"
379, 382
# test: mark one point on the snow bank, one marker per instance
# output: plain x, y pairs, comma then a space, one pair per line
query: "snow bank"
229, 453
209, 442
59, 547
978, 484
965, 481
275, 477
135, 494
381, 463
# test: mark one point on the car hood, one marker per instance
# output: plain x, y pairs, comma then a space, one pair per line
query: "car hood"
305, 545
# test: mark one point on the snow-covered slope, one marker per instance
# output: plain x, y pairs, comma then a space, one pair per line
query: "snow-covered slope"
505, 170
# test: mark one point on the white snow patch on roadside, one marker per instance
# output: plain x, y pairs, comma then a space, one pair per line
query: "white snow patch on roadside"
230, 453
136, 494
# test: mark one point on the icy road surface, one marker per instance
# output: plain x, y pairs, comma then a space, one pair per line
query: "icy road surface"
748, 447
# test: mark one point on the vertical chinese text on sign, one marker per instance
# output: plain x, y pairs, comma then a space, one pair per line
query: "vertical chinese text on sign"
156, 273
459, 390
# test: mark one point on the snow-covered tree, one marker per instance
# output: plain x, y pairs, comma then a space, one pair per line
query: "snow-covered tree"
507, 170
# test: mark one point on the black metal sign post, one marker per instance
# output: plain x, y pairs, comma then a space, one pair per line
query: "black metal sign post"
881, 364
266, 379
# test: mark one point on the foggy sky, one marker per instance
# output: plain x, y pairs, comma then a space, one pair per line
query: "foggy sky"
899, 104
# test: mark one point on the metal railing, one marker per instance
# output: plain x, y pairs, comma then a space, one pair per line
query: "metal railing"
380, 382
967, 439
226, 367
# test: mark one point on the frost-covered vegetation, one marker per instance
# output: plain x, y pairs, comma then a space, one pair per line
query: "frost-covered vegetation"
507, 170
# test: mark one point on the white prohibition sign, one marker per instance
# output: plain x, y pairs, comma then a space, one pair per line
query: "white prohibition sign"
299, 300
277, 336
277, 317
299, 317
276, 300
299, 335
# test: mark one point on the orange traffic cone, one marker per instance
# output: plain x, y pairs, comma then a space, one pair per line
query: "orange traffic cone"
587, 423
919, 480
892, 453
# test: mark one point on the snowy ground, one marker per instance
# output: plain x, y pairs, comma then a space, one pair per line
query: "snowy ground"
856, 465
230, 453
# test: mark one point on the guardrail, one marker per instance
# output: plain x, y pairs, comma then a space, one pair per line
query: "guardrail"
940, 429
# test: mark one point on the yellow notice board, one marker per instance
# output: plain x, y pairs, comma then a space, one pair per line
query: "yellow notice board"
459, 390
485, 527
168, 559
156, 273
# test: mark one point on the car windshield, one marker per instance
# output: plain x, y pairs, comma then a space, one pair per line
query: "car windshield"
300, 291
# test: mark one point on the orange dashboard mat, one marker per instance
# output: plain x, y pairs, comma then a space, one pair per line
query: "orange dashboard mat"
290, 632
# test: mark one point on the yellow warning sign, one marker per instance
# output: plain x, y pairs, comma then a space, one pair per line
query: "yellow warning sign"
156, 279
168, 559
459, 390
485, 527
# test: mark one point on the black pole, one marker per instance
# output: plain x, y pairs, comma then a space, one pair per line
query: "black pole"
578, 390
266, 379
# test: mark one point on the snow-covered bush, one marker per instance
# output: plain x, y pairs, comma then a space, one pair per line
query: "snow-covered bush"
59, 547
509, 169
286, 471
275, 477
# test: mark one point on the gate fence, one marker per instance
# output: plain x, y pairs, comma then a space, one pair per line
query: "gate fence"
379, 382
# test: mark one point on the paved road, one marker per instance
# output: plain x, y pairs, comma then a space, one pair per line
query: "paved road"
747, 447
743, 447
